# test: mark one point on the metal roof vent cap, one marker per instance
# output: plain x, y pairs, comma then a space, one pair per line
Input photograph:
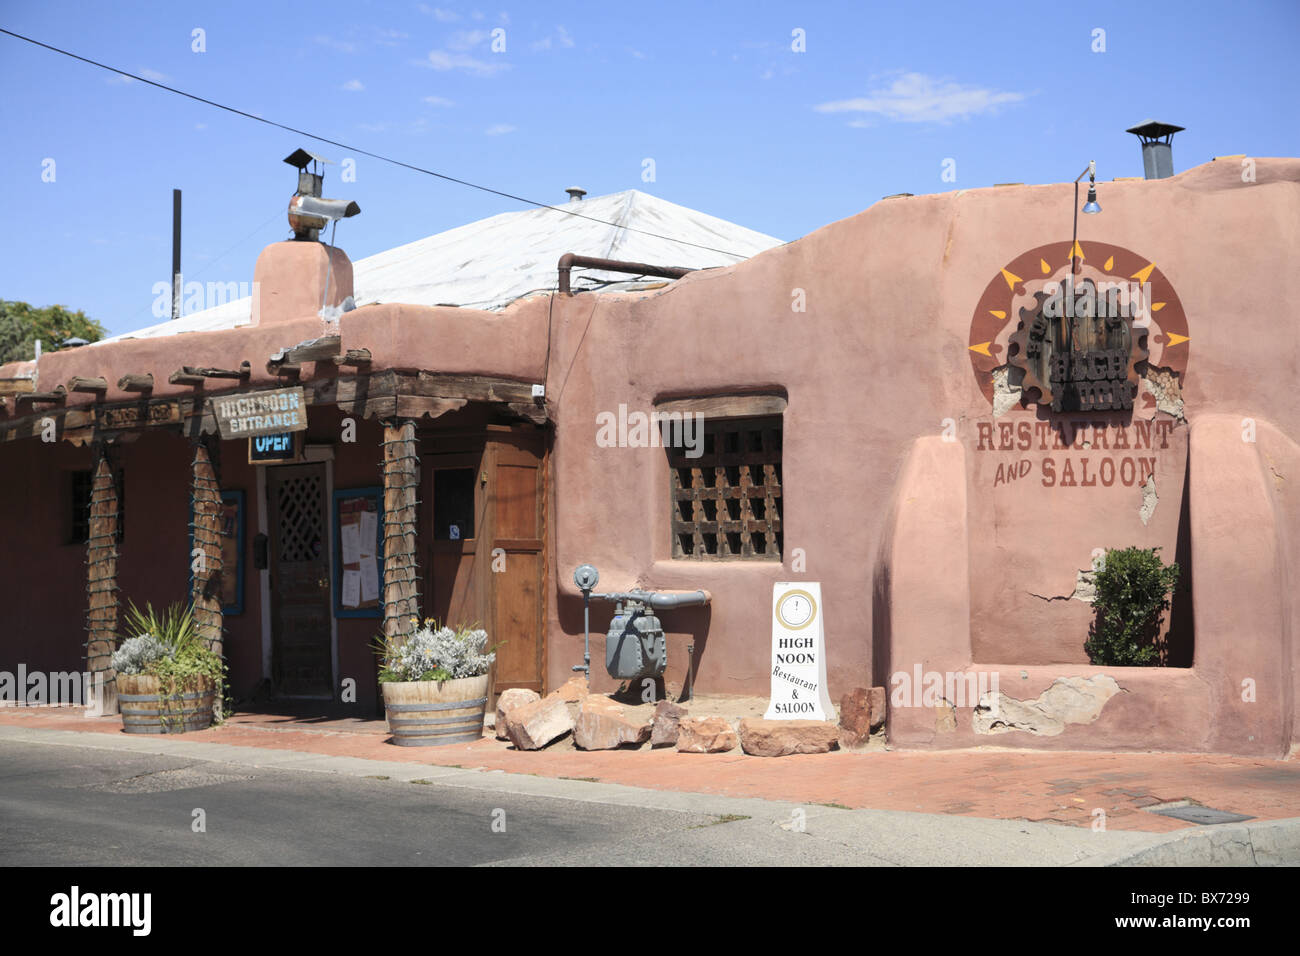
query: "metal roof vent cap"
575, 193
1157, 154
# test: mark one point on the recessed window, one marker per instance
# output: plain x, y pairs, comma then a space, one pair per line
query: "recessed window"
726, 503
453, 504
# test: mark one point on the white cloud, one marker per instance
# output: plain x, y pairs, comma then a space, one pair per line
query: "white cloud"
342, 46
352, 86
438, 101
500, 129
439, 14
917, 98
442, 60
466, 39
559, 38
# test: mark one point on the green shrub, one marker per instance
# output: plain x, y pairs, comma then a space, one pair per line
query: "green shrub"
1133, 589
167, 646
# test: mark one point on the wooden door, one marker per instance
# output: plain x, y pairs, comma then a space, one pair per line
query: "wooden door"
515, 550
300, 575
455, 503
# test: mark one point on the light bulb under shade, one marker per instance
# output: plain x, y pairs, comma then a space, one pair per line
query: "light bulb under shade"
1091, 207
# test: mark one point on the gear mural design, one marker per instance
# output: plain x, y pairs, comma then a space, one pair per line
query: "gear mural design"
1081, 342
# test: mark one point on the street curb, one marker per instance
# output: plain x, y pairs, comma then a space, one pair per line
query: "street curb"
1261, 843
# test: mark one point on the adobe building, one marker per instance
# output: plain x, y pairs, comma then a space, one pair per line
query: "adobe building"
890, 408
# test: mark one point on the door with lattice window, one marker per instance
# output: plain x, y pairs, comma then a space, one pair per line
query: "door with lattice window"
300, 576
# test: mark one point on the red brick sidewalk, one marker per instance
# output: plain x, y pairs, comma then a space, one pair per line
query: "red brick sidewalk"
1057, 787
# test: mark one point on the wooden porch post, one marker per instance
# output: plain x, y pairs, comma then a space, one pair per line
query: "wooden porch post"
206, 564
101, 579
401, 479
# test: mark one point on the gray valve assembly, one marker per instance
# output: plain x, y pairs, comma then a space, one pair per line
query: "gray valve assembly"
635, 646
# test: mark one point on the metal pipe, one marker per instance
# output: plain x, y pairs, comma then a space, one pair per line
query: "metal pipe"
659, 601
585, 666
571, 259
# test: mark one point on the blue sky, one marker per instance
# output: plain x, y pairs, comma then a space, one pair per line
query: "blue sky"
738, 124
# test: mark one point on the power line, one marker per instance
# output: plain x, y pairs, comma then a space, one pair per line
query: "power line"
363, 152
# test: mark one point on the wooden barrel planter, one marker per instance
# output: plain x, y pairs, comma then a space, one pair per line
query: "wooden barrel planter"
146, 711
428, 713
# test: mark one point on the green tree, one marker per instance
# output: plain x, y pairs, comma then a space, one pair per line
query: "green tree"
1133, 589
21, 325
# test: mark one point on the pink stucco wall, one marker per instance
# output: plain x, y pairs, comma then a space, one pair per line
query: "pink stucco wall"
892, 452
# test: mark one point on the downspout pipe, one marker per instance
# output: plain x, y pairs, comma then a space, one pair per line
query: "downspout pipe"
570, 259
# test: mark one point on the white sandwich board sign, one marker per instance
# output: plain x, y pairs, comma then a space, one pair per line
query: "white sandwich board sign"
798, 654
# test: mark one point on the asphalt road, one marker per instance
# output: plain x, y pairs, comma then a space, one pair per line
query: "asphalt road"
83, 800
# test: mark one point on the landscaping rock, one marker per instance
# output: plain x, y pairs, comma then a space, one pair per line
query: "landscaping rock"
778, 738
571, 691
666, 725
877, 707
855, 719
533, 726
508, 701
706, 735
603, 724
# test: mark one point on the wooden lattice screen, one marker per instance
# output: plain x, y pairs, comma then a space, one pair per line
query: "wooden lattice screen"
726, 503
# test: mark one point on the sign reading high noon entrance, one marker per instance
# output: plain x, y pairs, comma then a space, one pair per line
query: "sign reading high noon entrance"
261, 413
798, 654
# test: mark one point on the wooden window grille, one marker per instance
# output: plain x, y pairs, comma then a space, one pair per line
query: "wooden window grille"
726, 503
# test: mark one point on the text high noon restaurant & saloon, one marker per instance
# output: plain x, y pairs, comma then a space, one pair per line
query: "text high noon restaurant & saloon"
940, 410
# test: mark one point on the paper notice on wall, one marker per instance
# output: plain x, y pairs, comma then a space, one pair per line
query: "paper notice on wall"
368, 523
351, 588
351, 543
369, 579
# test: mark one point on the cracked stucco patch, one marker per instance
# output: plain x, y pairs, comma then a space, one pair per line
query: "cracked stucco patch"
1149, 499
1070, 700
1006, 388
1085, 589
1164, 386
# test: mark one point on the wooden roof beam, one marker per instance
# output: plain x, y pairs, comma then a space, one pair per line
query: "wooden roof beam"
80, 384
136, 383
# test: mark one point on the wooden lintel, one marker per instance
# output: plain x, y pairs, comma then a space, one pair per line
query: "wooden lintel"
418, 406
476, 388
136, 383
529, 411
353, 357
79, 384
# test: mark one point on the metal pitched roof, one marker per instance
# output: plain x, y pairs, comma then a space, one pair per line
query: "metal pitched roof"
489, 263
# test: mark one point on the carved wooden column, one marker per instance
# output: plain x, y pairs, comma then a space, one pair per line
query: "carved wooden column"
206, 564
101, 580
401, 577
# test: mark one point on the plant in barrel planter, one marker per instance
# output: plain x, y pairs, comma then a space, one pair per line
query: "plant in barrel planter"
167, 679
435, 684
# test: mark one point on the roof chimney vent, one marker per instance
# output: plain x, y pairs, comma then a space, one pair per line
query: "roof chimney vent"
575, 193
308, 212
1157, 154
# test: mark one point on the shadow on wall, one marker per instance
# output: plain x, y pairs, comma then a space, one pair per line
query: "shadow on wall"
1181, 638
683, 626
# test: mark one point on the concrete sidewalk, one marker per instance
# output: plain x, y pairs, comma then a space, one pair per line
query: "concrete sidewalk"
824, 834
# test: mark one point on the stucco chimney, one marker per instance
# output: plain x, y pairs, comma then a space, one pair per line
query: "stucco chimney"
289, 281
1157, 153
